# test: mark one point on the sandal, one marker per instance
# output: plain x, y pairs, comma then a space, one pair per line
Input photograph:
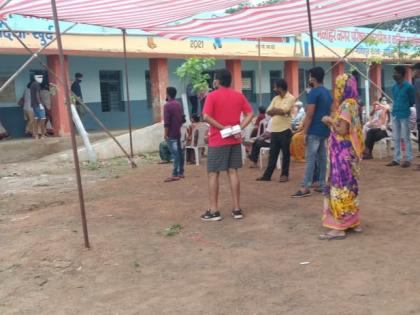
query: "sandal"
329, 237
171, 179
357, 229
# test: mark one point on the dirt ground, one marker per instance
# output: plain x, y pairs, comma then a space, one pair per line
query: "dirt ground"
251, 266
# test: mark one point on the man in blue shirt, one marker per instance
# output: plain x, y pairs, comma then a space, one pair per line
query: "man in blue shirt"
315, 131
403, 95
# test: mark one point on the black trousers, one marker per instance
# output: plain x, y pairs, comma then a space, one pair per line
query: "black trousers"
372, 136
280, 141
255, 150
194, 104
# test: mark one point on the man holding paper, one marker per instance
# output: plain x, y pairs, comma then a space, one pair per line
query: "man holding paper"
222, 110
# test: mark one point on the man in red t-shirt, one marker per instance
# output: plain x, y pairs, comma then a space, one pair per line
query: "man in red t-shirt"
222, 110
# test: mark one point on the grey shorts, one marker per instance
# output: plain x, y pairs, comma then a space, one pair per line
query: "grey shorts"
224, 157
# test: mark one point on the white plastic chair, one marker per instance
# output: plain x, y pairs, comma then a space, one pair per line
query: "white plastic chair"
384, 144
197, 141
266, 151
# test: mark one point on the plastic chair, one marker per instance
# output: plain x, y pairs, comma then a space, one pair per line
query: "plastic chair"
385, 144
266, 151
197, 141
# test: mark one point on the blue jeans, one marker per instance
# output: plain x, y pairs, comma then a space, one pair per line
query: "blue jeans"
177, 156
315, 155
401, 130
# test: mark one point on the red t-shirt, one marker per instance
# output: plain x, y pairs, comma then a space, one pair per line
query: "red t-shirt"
225, 105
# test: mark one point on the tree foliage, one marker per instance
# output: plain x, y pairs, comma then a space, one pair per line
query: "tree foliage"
248, 4
194, 70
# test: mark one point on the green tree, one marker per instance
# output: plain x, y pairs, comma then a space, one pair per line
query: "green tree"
194, 70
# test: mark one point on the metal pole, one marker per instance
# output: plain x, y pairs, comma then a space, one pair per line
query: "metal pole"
354, 48
311, 34
34, 55
73, 135
133, 164
127, 91
348, 53
4, 4
13, 77
355, 67
259, 72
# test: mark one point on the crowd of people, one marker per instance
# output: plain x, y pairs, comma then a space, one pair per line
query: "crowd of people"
328, 134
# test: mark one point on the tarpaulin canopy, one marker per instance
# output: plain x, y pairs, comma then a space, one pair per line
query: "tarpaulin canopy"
127, 14
290, 17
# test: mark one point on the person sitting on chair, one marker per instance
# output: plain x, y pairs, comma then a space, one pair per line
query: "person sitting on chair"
262, 141
378, 115
261, 116
380, 131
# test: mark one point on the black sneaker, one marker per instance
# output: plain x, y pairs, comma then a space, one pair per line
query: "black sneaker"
237, 214
300, 194
211, 216
393, 163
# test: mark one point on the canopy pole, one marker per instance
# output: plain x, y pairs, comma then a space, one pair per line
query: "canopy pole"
355, 67
73, 135
133, 164
4, 4
354, 48
259, 73
127, 88
311, 34
348, 53
34, 55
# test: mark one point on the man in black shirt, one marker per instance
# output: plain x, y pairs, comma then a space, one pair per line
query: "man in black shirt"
77, 91
38, 107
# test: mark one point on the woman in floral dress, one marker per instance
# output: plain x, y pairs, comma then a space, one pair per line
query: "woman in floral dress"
345, 148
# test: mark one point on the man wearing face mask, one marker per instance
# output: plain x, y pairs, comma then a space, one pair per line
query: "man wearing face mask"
319, 104
281, 134
403, 95
38, 107
77, 91
222, 110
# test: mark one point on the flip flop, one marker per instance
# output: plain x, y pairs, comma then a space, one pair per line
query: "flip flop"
329, 237
171, 179
357, 230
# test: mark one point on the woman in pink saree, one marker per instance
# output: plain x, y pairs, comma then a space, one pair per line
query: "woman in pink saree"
345, 147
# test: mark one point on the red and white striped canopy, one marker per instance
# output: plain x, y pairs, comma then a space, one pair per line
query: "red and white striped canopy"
128, 14
290, 17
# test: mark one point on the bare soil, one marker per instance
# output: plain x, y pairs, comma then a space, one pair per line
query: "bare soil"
251, 266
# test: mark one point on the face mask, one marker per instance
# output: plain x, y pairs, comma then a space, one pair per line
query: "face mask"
38, 79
